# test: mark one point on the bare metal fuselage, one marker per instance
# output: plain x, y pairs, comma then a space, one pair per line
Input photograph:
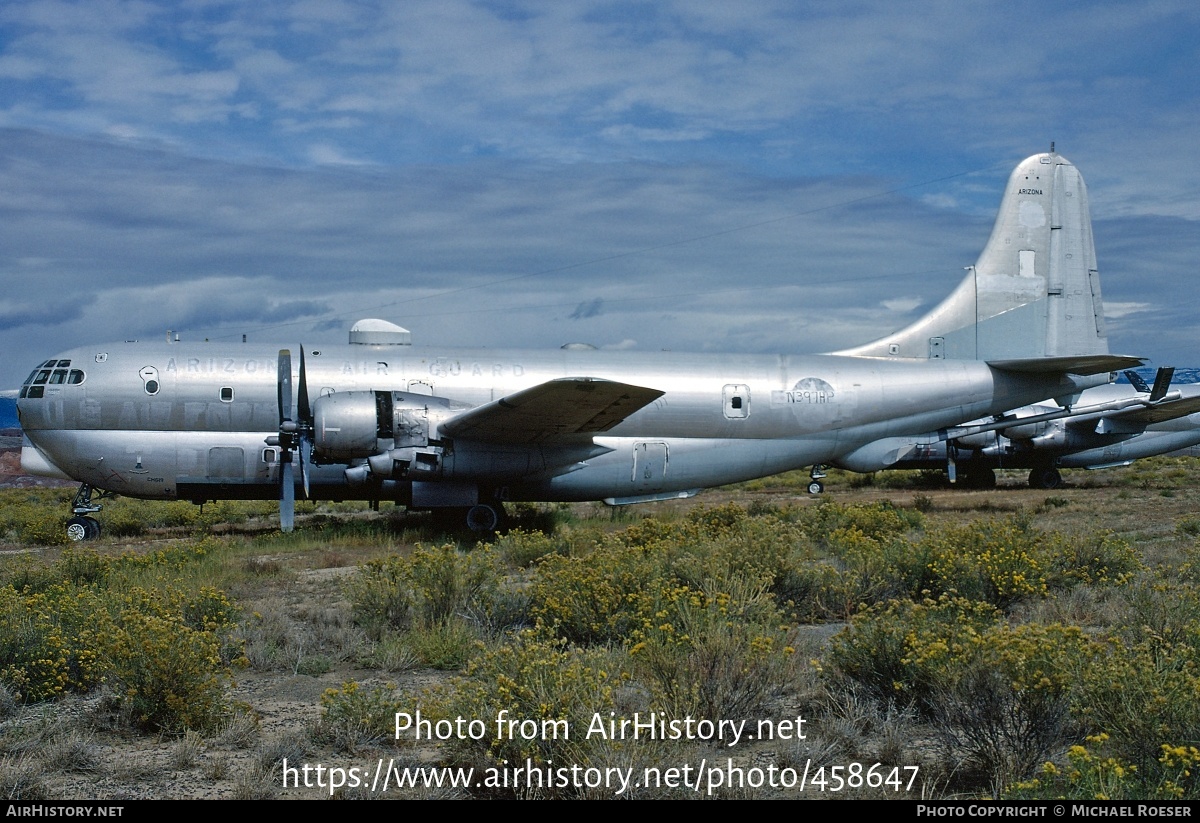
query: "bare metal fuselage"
193, 421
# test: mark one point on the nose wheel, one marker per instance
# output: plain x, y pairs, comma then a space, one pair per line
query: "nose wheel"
81, 526
816, 475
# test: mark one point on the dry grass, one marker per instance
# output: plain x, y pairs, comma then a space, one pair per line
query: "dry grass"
300, 639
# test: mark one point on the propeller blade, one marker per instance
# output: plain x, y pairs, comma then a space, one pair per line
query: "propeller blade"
304, 412
285, 385
305, 451
287, 497
287, 428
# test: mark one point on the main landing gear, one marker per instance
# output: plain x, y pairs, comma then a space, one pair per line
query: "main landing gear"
816, 475
1046, 477
482, 519
82, 526
979, 476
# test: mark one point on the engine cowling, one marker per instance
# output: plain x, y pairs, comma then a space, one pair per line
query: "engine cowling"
384, 435
1046, 434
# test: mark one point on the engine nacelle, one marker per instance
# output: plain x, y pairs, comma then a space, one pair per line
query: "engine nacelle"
980, 440
1043, 435
381, 428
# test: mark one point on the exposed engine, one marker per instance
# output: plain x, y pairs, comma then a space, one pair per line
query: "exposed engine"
382, 435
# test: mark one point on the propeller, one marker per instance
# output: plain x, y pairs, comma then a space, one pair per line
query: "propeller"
293, 434
305, 411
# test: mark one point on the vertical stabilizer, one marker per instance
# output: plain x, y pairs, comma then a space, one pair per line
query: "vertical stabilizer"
1035, 290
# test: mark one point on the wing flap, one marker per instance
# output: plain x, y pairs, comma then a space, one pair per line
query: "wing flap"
557, 408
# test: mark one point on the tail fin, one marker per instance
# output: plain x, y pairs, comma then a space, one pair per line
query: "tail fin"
1035, 291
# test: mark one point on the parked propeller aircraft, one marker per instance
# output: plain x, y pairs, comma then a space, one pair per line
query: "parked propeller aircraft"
379, 419
1108, 426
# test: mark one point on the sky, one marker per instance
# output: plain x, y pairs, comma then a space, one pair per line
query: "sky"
693, 176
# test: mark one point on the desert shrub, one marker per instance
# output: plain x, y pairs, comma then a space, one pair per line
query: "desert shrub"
1010, 708
1144, 696
555, 690
1093, 772
448, 581
429, 586
163, 650
907, 652
521, 548
712, 653
167, 674
996, 561
48, 641
1004, 561
877, 520
598, 598
1162, 611
445, 644
381, 596
1098, 559
353, 716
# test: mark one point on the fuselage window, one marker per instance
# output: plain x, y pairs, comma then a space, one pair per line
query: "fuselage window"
227, 394
76, 377
151, 387
270, 455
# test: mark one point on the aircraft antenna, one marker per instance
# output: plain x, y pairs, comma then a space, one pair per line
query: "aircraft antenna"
1052, 147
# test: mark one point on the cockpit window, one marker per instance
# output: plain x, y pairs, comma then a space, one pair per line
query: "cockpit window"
52, 372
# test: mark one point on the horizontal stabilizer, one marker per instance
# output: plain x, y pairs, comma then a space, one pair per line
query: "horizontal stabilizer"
1071, 364
556, 408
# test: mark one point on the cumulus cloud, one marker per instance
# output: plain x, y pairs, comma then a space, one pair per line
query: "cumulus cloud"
767, 177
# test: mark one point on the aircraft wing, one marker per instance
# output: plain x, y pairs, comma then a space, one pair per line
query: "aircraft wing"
1070, 364
1142, 416
556, 408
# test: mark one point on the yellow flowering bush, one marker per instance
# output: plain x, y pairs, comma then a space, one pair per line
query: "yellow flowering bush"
548, 689
909, 651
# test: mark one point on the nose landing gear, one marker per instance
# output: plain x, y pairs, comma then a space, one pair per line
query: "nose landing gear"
816, 475
81, 526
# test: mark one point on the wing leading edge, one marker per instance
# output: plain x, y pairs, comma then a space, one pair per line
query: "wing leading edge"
554, 409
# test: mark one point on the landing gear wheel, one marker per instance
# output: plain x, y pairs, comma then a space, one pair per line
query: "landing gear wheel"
82, 528
482, 519
1048, 478
816, 487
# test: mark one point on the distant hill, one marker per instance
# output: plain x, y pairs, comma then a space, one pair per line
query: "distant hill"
1182, 374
